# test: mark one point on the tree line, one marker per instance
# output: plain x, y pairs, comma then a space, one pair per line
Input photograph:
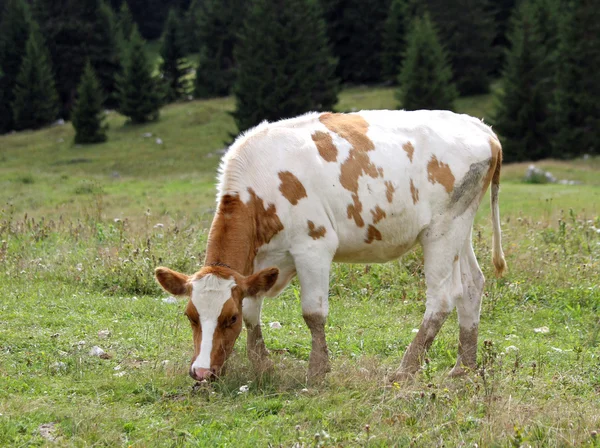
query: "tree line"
281, 58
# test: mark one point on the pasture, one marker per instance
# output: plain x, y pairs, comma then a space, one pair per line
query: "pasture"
82, 229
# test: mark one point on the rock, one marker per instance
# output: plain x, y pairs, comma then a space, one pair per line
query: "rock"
275, 325
147, 134
542, 330
159, 141
97, 351
59, 122
103, 334
47, 431
170, 299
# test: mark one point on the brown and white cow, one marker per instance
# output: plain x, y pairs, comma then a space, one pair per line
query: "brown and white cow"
296, 195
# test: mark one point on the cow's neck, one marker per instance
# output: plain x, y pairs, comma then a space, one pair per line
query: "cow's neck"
231, 240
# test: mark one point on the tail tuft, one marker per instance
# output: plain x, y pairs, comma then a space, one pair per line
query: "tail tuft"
497, 253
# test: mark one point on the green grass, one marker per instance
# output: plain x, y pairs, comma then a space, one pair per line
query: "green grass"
68, 270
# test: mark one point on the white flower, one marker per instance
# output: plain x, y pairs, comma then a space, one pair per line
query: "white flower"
511, 348
542, 330
275, 325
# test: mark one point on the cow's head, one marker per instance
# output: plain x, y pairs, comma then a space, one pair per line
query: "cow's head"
214, 310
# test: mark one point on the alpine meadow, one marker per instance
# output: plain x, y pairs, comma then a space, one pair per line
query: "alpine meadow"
115, 116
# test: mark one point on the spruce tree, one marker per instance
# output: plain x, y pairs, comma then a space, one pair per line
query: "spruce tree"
14, 33
576, 103
355, 28
139, 97
396, 27
88, 113
285, 65
190, 26
173, 66
522, 112
425, 78
467, 29
218, 25
35, 99
125, 21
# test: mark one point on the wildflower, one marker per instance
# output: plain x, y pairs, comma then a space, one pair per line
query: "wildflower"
542, 330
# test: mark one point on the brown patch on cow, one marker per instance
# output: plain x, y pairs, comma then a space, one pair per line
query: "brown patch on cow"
414, 192
318, 362
315, 232
378, 214
239, 230
372, 234
357, 164
389, 191
410, 150
354, 211
291, 188
439, 172
455, 258
353, 128
350, 127
325, 145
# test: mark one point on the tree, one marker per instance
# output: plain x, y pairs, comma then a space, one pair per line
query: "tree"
14, 33
218, 25
173, 66
104, 52
35, 99
285, 65
125, 21
576, 103
88, 113
522, 112
425, 78
396, 27
355, 28
502, 11
139, 98
466, 27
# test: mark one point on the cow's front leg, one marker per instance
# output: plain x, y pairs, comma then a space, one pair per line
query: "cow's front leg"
313, 273
257, 350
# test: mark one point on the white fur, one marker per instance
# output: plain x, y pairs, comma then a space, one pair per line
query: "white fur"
209, 294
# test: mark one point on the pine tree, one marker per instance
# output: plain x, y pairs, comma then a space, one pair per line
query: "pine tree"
355, 28
425, 78
466, 27
125, 21
35, 99
501, 11
576, 103
396, 27
104, 52
139, 97
88, 113
191, 27
285, 65
218, 25
522, 112
14, 32
173, 66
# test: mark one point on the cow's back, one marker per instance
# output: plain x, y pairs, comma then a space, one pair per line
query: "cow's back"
371, 180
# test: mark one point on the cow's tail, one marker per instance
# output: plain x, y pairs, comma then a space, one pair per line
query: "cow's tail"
497, 253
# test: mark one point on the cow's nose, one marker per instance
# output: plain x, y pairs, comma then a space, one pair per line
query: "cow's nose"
201, 374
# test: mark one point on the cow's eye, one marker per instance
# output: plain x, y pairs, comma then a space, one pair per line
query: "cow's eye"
233, 320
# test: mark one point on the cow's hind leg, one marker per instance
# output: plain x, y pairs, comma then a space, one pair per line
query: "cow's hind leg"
468, 306
442, 250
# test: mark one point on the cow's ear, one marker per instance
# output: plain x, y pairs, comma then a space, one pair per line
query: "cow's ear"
173, 282
260, 282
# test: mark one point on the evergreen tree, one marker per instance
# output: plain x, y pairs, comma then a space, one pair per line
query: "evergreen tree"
173, 66
355, 28
138, 89
466, 27
88, 113
125, 21
425, 78
522, 112
396, 27
36, 100
285, 65
502, 11
218, 22
576, 104
14, 33
191, 27
104, 52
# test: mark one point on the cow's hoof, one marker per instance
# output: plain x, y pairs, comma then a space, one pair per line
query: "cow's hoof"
317, 372
262, 364
460, 370
402, 376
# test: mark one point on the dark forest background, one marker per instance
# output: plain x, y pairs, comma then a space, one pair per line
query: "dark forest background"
73, 59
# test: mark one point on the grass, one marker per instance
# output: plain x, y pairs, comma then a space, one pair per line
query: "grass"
81, 229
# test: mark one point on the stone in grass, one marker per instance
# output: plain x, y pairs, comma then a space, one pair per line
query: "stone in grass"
103, 334
170, 299
97, 351
47, 431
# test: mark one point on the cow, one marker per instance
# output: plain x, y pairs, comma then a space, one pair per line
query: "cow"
298, 194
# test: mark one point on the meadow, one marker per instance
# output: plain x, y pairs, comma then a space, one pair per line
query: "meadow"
82, 229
